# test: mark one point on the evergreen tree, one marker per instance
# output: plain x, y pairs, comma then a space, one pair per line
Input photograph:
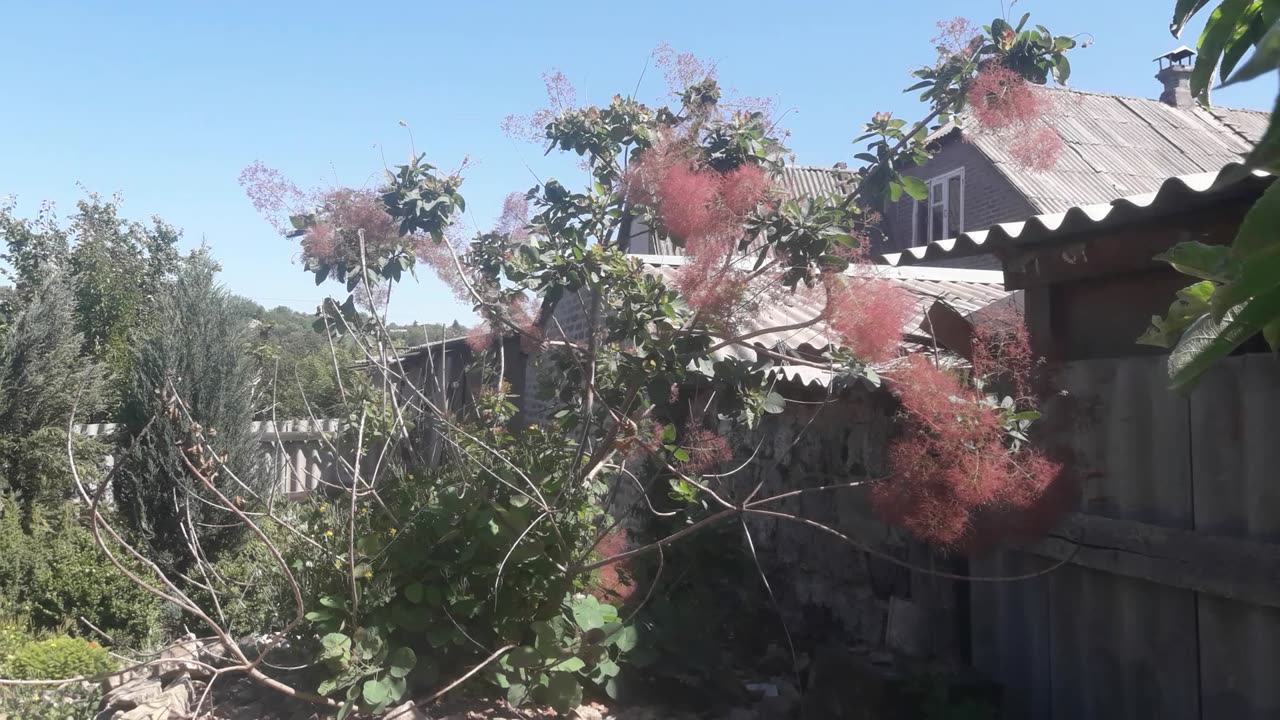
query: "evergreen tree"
42, 377
199, 355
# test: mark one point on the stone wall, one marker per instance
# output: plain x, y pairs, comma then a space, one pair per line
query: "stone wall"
830, 589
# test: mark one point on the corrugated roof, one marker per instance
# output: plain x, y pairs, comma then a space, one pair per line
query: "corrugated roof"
807, 180
1173, 195
793, 181
1116, 146
965, 290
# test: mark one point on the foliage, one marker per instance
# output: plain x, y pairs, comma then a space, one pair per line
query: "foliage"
54, 573
64, 702
42, 377
1237, 295
204, 361
453, 560
253, 597
13, 634
117, 269
59, 657
460, 539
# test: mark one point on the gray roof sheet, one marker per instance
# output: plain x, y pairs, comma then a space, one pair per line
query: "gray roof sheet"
1175, 194
805, 180
1116, 146
967, 291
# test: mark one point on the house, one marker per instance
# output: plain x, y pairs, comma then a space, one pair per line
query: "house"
1163, 604
1113, 146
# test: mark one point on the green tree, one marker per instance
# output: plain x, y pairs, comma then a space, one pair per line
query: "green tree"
118, 268
42, 377
194, 370
1237, 293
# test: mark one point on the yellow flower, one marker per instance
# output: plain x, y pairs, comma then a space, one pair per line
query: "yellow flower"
368, 574
328, 533
323, 508
392, 531
533, 427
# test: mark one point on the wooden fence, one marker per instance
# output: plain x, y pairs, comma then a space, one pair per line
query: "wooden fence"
294, 450
1170, 607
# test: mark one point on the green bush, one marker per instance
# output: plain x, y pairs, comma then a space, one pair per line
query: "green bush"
13, 634
204, 360
253, 596
42, 377
67, 702
59, 657
56, 575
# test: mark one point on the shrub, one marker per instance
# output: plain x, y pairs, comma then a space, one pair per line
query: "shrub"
253, 596
205, 361
13, 634
67, 702
55, 574
59, 657
42, 376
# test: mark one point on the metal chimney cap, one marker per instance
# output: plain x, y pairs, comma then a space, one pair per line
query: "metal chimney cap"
1178, 54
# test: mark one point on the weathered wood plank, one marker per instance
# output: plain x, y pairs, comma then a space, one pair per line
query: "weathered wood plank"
1235, 411
1122, 648
1226, 567
1011, 632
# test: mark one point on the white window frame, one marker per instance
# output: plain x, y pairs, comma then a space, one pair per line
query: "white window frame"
923, 236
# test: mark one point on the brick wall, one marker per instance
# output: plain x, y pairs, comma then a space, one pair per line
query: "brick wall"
989, 198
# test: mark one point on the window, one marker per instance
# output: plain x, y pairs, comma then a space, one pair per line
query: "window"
941, 215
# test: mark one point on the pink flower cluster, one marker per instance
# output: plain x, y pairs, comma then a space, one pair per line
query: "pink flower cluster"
1005, 105
952, 480
868, 313
705, 210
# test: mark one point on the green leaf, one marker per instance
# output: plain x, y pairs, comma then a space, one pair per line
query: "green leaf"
1183, 12
413, 593
774, 403
626, 639
1219, 29
1207, 341
1061, 69
1266, 154
1260, 230
336, 645
608, 668
401, 661
573, 664
1208, 262
1257, 277
375, 692
1266, 57
563, 692
669, 433
680, 454
1271, 333
327, 686
319, 615
915, 187
1191, 304
587, 612
517, 694
524, 657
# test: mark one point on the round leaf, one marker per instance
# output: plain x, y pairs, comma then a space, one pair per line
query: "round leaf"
400, 662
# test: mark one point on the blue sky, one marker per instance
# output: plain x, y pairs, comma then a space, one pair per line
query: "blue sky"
167, 102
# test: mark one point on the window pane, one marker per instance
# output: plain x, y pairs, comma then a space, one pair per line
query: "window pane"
938, 229
955, 204
921, 223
